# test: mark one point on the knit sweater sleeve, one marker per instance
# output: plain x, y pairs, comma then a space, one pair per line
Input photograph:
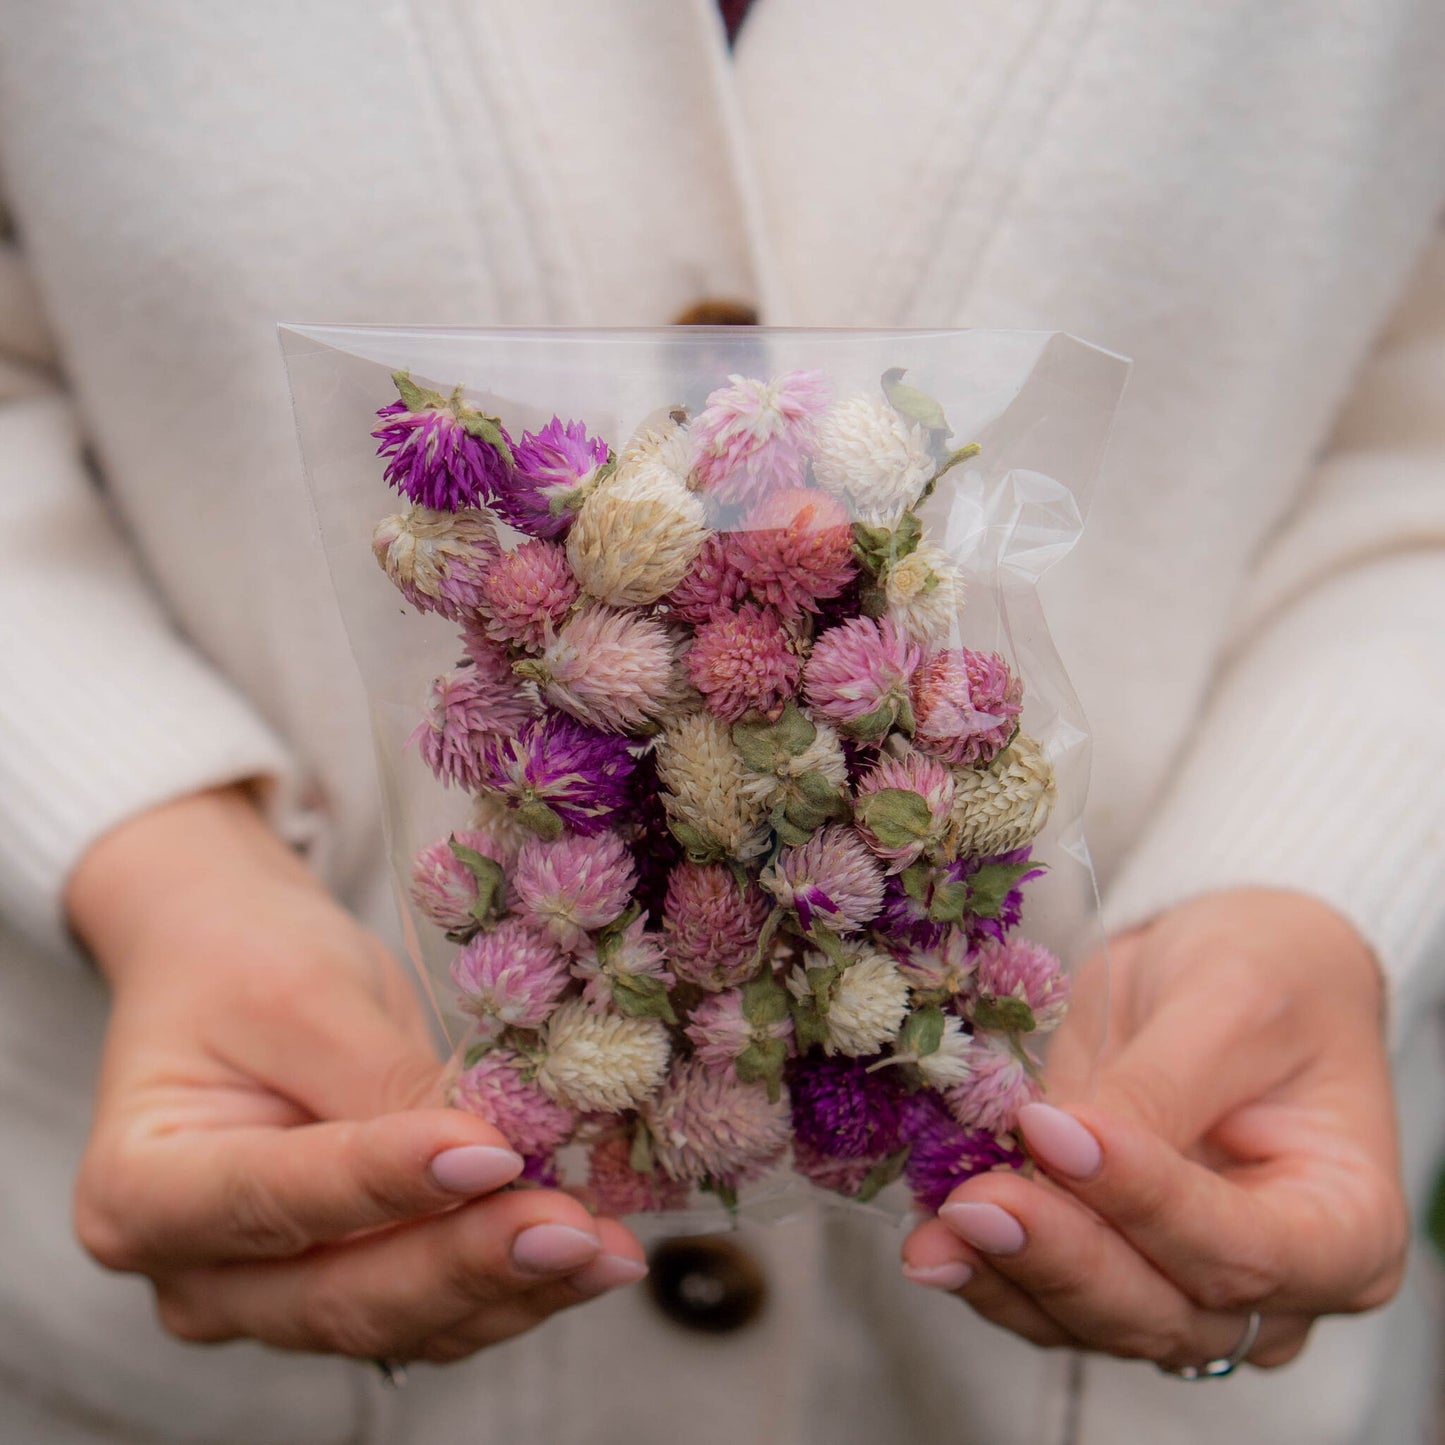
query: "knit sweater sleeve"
1318, 764
105, 710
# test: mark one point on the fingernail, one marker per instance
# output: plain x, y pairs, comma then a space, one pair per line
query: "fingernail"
553, 1249
1059, 1142
939, 1276
985, 1227
607, 1271
474, 1169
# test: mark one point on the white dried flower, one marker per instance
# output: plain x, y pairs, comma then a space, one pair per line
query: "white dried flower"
491, 813
1002, 806
823, 755
872, 458
868, 1005
662, 440
706, 789
602, 1061
924, 593
952, 1061
437, 559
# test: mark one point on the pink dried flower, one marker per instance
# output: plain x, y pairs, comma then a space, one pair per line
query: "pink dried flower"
714, 582
900, 828
523, 596
510, 975
441, 452
554, 469
832, 880
997, 1087
707, 1127
712, 926
444, 888
840, 1176
720, 1031
796, 550
574, 884
616, 964
754, 436
438, 560
1019, 969
859, 675
947, 966
468, 708
966, 705
496, 1089
744, 662
614, 1187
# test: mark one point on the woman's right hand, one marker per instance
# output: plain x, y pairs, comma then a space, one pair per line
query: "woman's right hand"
260, 1149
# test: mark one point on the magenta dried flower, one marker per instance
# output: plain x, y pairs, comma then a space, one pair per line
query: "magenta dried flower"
903, 806
573, 884
712, 926
1026, 972
713, 584
842, 1110
627, 968
511, 975
708, 1127
859, 675
744, 662
615, 1188
839, 1176
469, 708
796, 550
523, 596
553, 470
557, 773
497, 1089
966, 705
444, 888
441, 452
997, 1086
721, 1031
831, 881
943, 1153
754, 436
982, 896
437, 560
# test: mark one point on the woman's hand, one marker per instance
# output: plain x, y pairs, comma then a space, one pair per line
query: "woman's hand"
1237, 1154
260, 1147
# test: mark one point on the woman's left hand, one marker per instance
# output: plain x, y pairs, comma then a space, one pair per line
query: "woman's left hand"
1237, 1153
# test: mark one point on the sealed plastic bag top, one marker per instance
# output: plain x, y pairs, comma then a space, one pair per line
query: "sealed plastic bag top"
733, 785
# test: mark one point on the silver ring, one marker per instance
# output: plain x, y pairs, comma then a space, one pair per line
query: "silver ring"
392, 1372
1220, 1369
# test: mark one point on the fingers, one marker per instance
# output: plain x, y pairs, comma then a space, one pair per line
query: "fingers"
465, 1279
210, 1197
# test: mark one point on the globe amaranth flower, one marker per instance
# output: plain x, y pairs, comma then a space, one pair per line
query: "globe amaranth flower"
832, 880
903, 807
602, 1061
872, 458
615, 1188
705, 1126
611, 964
923, 593
705, 790
444, 888
943, 1153
859, 676
795, 550
556, 772
743, 662
636, 535
843, 1111
946, 967
469, 708
554, 469
496, 1088
910, 901
998, 1085
573, 884
615, 670
754, 436
1004, 804
823, 755
965, 705
524, 595
1018, 969
868, 1002
720, 1031
712, 926
510, 975
839, 1176
438, 560
441, 452
714, 583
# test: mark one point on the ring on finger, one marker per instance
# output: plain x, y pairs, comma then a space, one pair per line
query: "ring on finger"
1225, 1366
392, 1372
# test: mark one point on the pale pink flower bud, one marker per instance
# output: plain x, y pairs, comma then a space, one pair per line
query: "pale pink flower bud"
438, 560
832, 880
859, 675
712, 925
997, 1087
1026, 971
902, 807
573, 884
511, 975
705, 1126
496, 1089
524, 595
966, 705
467, 709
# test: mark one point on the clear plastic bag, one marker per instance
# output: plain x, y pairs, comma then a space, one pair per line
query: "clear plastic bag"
733, 784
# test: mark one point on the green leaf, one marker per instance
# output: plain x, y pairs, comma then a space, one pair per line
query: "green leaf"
917, 881
762, 1063
700, 847
765, 1001
640, 1157
950, 903
872, 726
486, 429
990, 886
882, 1174
766, 747
639, 996
475, 1055
873, 602
915, 405
922, 1032
816, 788
906, 537
1005, 1015
726, 1193
828, 943
810, 1028
790, 834
537, 816
897, 817
491, 880
417, 398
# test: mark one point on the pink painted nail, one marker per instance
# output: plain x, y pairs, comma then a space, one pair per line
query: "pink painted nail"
553, 1249
607, 1271
474, 1169
1059, 1142
985, 1226
940, 1276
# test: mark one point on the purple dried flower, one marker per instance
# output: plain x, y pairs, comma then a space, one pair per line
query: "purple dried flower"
707, 1127
443, 887
438, 560
858, 676
997, 1086
905, 915
1019, 969
943, 1153
720, 1031
966, 705
496, 1089
843, 1111
523, 596
573, 884
540, 1171
554, 468
744, 662
713, 583
831, 880
510, 975
469, 708
442, 453
712, 925
654, 848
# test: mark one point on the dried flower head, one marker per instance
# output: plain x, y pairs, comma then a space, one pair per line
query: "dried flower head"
872, 458
754, 436
921, 904
555, 469
441, 452
965, 705
623, 967
743, 662
839, 1176
469, 708
662, 440
796, 550
444, 888
924, 593
952, 1061
868, 1002
712, 925
1005, 804
708, 803
524, 595
706, 1126
832, 880
615, 1188
438, 560
510, 975
997, 1087
944, 1153
946, 967
842, 1110
1027, 972
714, 583
903, 807
496, 1088
602, 1061
824, 755
721, 1031
573, 884
859, 675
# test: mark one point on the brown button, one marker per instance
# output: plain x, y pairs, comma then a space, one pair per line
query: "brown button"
717, 311
707, 1284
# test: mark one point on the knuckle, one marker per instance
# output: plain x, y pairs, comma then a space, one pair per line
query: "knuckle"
337, 1320
1240, 1283
186, 1317
1164, 1341
388, 1195
260, 1222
